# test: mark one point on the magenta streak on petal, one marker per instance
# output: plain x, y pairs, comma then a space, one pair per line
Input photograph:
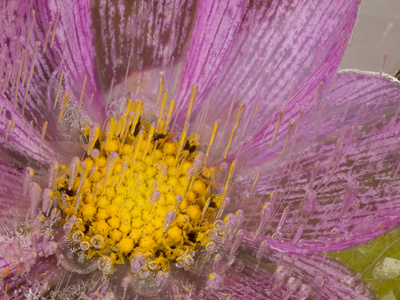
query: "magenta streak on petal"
350, 155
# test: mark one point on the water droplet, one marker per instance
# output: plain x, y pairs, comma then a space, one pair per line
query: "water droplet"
319, 281
84, 246
97, 241
77, 236
211, 247
334, 232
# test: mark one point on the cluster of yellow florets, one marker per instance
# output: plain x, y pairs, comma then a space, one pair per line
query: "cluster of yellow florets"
138, 191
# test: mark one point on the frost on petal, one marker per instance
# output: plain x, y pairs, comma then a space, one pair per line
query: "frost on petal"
273, 56
340, 176
281, 276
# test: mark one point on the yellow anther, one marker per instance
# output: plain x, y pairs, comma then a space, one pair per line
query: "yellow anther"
199, 187
114, 222
125, 245
102, 227
89, 162
102, 162
125, 228
169, 148
88, 211
137, 223
102, 214
126, 149
113, 146
190, 196
116, 235
135, 235
146, 242
174, 234
194, 212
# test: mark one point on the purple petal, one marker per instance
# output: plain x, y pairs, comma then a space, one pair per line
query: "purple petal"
34, 97
22, 140
216, 28
275, 55
12, 204
140, 36
74, 48
343, 189
317, 276
14, 27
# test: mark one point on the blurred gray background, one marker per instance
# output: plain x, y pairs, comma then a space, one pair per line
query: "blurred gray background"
377, 31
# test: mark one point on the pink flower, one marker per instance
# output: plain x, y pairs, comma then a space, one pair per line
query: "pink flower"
316, 150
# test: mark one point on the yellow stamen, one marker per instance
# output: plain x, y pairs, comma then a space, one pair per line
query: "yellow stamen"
169, 116
213, 134
290, 129
224, 193
145, 198
55, 28
160, 89
189, 111
160, 114
82, 93
58, 89
229, 143
46, 39
43, 135
63, 107
277, 126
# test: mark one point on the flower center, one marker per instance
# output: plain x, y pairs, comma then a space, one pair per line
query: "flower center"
138, 194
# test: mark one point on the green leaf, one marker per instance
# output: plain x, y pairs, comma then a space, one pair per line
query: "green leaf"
378, 262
